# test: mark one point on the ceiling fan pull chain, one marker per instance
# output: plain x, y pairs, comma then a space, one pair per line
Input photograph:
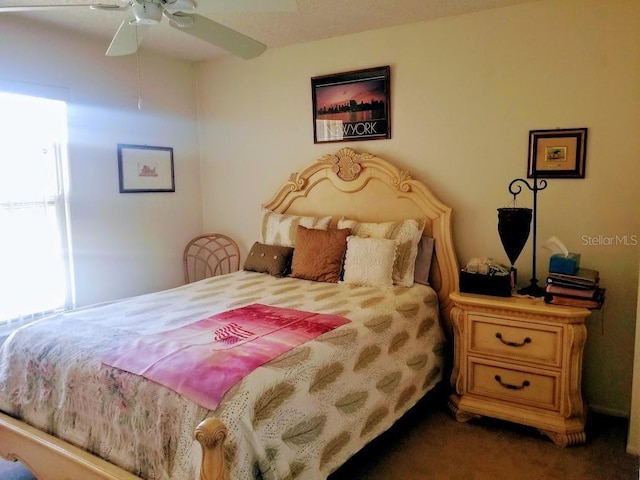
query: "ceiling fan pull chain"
138, 69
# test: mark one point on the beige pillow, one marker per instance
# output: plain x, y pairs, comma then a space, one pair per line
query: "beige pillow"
318, 254
369, 261
280, 228
407, 233
272, 259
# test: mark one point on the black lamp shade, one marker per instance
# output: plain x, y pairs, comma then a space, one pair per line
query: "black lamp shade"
514, 225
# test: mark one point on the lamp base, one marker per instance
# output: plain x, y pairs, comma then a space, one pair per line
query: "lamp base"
533, 290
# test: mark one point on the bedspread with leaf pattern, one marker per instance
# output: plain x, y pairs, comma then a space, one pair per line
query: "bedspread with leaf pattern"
299, 416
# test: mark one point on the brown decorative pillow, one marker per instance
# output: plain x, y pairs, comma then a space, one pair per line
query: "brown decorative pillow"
271, 259
319, 254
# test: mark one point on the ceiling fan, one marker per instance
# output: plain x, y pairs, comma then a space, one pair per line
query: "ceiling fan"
146, 13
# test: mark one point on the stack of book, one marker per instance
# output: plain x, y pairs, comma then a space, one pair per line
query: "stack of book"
579, 290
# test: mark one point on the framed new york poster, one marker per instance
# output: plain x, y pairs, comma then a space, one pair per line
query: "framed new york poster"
351, 106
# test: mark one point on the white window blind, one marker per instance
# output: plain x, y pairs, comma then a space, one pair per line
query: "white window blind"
34, 264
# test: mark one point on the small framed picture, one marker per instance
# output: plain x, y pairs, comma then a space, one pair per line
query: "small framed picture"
143, 168
559, 153
351, 106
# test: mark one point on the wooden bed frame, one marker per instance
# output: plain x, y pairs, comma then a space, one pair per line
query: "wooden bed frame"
359, 186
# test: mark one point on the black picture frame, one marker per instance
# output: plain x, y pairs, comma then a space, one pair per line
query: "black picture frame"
352, 106
557, 153
144, 169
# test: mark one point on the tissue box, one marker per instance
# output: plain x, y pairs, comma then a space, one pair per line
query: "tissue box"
568, 265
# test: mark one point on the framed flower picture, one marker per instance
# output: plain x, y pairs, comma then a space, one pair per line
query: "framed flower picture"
143, 168
559, 153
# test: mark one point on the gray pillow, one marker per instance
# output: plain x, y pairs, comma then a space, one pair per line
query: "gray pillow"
423, 260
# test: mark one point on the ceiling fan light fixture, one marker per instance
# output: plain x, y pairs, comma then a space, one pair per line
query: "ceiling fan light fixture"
180, 5
147, 13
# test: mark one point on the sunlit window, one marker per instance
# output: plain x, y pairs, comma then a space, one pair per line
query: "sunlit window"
33, 241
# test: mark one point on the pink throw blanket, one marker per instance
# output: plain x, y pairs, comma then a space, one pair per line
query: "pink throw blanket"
203, 360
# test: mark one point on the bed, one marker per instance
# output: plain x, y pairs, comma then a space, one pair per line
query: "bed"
70, 408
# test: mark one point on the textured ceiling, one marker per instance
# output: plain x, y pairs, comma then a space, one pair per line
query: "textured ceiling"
313, 20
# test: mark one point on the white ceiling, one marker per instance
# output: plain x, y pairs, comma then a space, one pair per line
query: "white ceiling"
313, 20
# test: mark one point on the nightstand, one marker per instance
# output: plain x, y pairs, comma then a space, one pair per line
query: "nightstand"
519, 359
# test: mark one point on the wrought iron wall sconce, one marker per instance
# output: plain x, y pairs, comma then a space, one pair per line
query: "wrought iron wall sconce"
514, 224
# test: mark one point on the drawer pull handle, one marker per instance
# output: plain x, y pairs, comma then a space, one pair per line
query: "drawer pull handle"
513, 344
525, 383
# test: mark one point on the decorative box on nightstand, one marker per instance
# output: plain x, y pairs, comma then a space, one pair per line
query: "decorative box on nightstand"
519, 359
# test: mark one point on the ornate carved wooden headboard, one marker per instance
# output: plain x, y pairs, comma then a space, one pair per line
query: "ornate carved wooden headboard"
367, 188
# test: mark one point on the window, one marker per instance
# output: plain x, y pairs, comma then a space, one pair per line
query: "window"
34, 266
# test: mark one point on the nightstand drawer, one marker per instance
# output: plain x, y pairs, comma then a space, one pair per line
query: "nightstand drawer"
507, 384
514, 339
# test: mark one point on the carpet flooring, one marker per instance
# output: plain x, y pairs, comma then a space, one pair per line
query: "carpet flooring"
427, 444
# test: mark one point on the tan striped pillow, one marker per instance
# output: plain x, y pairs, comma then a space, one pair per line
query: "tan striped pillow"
407, 233
280, 228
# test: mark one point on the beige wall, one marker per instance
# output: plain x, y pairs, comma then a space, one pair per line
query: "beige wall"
465, 92
123, 244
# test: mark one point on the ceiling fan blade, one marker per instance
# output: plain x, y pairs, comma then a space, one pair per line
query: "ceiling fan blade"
247, 6
217, 34
127, 38
26, 8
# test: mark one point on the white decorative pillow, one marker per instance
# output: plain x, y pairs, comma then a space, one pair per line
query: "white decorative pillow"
280, 229
369, 261
407, 234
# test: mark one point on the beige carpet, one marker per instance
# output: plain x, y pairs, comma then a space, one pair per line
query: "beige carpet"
428, 444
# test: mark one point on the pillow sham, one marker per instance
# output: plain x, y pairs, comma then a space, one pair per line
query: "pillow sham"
280, 228
423, 260
407, 233
272, 259
369, 261
319, 254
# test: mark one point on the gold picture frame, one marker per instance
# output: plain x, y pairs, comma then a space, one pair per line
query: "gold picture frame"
559, 153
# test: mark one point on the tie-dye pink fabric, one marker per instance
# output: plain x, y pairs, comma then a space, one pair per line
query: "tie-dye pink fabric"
203, 360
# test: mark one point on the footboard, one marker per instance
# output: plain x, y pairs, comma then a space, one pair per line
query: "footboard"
211, 434
50, 458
